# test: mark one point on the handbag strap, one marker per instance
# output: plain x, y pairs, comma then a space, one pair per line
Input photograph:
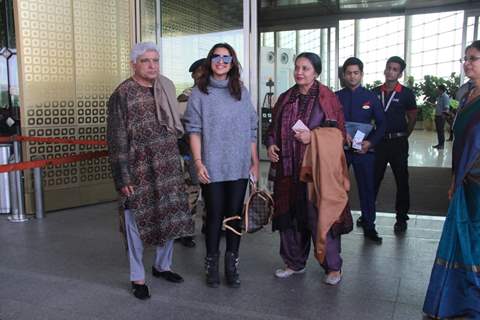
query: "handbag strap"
226, 226
253, 191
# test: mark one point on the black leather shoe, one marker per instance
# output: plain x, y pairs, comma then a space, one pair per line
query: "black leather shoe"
400, 226
167, 275
187, 242
140, 291
360, 222
373, 235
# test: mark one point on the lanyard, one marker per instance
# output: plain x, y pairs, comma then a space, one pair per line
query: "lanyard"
389, 100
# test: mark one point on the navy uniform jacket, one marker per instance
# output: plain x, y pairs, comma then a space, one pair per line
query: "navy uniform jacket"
402, 102
362, 105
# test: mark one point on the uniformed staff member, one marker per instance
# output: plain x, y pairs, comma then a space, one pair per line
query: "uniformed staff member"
400, 109
362, 105
441, 112
191, 179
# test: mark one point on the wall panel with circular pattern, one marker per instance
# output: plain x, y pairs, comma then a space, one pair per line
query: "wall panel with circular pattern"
72, 53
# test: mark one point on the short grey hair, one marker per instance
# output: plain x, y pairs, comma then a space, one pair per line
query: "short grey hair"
140, 49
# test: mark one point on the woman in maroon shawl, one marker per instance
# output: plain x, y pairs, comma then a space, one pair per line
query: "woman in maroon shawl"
295, 217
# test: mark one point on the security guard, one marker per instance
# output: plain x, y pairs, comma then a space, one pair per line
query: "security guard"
400, 108
362, 106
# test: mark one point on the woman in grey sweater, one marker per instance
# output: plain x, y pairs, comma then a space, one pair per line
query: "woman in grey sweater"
222, 124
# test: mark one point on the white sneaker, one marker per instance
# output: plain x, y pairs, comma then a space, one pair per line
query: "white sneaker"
287, 272
333, 279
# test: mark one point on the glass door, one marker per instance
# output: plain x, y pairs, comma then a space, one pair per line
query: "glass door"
189, 29
276, 65
9, 92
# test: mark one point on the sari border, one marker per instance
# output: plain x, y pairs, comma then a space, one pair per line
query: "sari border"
457, 265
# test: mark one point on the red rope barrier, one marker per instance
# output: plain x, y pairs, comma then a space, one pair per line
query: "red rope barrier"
52, 162
53, 140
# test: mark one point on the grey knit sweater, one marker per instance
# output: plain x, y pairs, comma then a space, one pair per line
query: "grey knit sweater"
227, 126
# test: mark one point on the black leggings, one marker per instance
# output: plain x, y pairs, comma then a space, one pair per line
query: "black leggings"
223, 199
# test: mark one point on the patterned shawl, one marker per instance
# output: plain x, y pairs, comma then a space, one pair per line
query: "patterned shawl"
298, 107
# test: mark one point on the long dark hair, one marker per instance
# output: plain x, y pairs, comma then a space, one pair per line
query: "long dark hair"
234, 83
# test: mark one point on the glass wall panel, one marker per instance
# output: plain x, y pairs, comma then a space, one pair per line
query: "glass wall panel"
287, 39
267, 39
309, 41
478, 28
346, 45
436, 44
324, 56
470, 29
379, 38
332, 62
190, 28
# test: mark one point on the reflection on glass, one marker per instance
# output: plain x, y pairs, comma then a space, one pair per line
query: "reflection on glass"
3, 81
13, 79
11, 25
3, 28
282, 3
148, 20
189, 30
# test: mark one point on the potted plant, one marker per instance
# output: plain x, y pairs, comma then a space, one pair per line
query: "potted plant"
428, 115
427, 92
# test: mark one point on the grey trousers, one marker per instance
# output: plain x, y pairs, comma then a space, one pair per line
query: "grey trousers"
163, 256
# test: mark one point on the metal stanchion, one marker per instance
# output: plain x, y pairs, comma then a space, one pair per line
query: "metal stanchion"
5, 202
37, 181
13, 192
19, 214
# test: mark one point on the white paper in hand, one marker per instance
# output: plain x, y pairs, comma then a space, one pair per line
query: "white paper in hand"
300, 126
357, 140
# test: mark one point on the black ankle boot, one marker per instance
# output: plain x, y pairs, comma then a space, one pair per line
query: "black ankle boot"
231, 269
211, 269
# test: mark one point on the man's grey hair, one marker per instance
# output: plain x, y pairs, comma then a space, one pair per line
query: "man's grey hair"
140, 49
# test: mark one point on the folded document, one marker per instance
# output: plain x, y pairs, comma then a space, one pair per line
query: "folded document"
353, 127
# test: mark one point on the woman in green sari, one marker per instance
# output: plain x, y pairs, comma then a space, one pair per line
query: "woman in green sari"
454, 289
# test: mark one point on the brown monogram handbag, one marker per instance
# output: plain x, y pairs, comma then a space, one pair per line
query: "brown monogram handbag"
257, 212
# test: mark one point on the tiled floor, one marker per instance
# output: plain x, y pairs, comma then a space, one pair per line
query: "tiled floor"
72, 265
423, 155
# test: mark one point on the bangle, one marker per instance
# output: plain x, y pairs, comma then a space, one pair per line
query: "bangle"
197, 160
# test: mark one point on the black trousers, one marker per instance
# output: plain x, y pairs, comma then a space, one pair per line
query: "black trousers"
440, 126
395, 152
223, 199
